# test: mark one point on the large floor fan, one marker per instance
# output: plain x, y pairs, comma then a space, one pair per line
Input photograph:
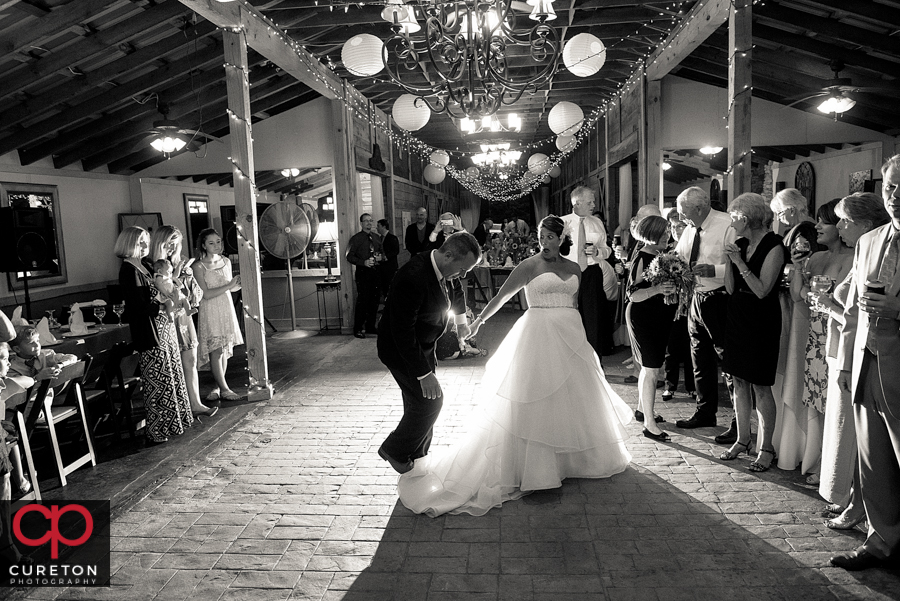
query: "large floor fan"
284, 231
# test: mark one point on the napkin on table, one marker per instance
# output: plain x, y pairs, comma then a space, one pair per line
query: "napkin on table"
17, 319
43, 330
76, 320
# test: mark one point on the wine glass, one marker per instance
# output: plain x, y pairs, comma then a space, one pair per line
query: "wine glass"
819, 284
100, 313
118, 309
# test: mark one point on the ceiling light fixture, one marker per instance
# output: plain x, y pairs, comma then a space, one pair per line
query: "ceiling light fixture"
490, 124
290, 172
711, 150
837, 103
465, 48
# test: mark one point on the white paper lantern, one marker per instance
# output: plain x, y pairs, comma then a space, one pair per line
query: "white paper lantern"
440, 157
584, 55
434, 175
362, 55
545, 179
565, 118
472, 172
537, 163
565, 143
554, 171
409, 114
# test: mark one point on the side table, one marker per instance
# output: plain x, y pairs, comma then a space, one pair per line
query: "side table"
322, 290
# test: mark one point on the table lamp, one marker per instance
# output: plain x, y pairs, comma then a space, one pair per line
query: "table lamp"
327, 235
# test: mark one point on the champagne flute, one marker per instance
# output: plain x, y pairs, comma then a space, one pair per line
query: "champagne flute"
100, 313
118, 309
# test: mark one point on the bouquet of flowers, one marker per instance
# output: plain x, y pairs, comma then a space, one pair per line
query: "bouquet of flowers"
512, 249
671, 268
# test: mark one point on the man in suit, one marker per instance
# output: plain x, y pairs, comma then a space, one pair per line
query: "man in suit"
416, 236
482, 232
702, 245
590, 248
869, 357
390, 249
364, 251
415, 316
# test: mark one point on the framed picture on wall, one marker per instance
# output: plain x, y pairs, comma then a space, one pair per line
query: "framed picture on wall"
31, 231
148, 221
858, 180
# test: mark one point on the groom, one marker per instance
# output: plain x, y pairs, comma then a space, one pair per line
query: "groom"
415, 316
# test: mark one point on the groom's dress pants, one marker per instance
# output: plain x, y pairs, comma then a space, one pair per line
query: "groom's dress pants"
412, 436
706, 327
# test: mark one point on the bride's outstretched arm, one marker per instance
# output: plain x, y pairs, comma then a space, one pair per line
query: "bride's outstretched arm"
520, 276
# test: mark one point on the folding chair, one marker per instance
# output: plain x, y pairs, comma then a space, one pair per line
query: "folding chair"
124, 380
97, 388
15, 400
45, 414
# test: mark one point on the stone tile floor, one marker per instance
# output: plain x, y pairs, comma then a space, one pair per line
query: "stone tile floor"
286, 499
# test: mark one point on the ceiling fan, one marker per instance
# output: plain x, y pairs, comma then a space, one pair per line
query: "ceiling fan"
168, 137
837, 92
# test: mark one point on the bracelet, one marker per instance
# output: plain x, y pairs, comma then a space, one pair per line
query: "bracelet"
744, 273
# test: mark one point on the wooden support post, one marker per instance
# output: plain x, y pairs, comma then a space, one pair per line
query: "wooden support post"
654, 149
238, 87
740, 82
643, 170
606, 182
346, 196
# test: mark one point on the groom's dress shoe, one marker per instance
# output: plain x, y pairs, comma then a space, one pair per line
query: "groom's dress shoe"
858, 559
399, 466
697, 421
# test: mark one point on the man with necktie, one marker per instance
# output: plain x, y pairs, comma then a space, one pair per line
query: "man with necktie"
589, 245
365, 252
702, 245
415, 316
869, 358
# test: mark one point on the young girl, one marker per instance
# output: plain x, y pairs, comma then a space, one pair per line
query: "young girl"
219, 328
170, 294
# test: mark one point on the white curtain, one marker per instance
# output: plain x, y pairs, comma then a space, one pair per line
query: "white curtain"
540, 196
625, 200
469, 211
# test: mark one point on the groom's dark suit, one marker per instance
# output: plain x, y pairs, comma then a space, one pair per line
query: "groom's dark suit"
415, 316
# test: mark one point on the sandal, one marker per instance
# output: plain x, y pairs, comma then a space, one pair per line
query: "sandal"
231, 396
736, 449
845, 521
812, 479
756, 466
833, 508
213, 396
24, 488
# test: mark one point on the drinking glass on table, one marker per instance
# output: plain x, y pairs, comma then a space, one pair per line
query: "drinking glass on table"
100, 313
118, 309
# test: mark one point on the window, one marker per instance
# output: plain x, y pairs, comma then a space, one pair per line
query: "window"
32, 230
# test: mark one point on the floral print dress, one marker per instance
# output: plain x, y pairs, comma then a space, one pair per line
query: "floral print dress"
815, 378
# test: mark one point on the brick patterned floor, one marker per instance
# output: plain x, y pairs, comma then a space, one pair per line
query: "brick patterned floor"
291, 502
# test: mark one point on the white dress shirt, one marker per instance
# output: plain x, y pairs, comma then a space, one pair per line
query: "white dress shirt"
593, 231
715, 233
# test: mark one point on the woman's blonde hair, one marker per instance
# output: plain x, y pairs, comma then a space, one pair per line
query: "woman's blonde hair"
790, 197
863, 207
160, 238
127, 242
753, 207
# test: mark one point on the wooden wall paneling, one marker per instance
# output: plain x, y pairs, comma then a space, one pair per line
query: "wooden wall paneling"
245, 207
654, 173
346, 194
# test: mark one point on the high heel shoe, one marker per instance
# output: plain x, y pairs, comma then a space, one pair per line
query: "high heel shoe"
756, 466
844, 522
736, 449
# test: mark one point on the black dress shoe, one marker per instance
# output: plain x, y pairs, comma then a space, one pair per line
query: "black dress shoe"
663, 436
359, 334
399, 466
858, 559
696, 421
729, 436
639, 416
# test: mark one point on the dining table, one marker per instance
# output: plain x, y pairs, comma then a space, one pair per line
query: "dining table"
96, 342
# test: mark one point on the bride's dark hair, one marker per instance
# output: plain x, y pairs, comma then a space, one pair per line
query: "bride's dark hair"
557, 226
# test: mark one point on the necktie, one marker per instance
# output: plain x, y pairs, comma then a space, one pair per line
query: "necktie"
582, 259
889, 263
695, 248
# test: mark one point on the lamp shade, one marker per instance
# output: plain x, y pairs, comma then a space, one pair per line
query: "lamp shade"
362, 55
440, 157
565, 143
537, 163
584, 55
409, 114
434, 174
327, 233
565, 118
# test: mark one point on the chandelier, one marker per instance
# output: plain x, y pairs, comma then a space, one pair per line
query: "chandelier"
458, 61
490, 124
497, 159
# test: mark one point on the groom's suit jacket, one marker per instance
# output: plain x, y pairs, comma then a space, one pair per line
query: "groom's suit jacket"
415, 316
866, 264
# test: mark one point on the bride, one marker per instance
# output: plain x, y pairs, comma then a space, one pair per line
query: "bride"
547, 412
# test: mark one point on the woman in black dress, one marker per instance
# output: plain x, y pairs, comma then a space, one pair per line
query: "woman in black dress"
752, 335
154, 337
649, 318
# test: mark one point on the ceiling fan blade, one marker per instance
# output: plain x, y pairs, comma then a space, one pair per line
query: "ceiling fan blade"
198, 134
875, 90
805, 98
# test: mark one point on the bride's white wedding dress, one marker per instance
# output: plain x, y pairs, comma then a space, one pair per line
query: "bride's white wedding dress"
548, 414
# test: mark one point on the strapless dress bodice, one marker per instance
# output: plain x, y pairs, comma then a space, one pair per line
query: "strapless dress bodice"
548, 291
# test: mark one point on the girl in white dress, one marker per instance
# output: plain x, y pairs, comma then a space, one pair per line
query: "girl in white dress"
548, 412
219, 329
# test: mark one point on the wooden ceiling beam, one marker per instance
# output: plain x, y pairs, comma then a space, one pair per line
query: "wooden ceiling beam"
88, 47
880, 13
594, 4
613, 16
702, 20
90, 85
48, 25
31, 8
96, 105
827, 27
767, 153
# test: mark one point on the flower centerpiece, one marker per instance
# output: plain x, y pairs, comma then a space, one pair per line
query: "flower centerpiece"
512, 249
669, 267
